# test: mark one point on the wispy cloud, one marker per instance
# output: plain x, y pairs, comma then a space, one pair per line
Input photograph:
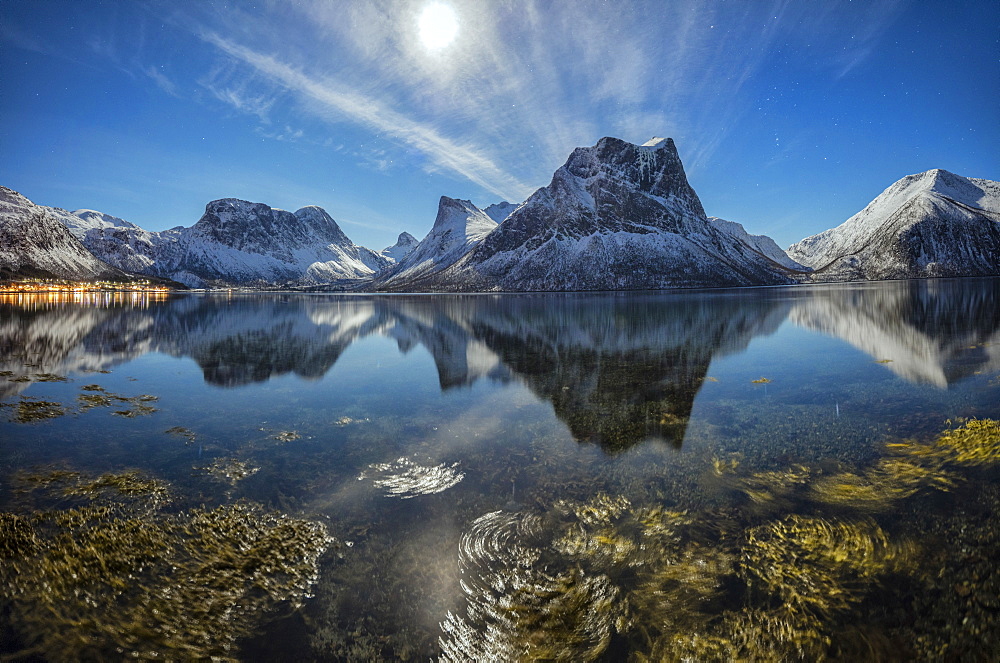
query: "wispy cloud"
334, 102
285, 134
240, 97
161, 80
861, 39
525, 82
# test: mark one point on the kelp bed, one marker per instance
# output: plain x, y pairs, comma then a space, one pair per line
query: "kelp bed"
116, 573
892, 560
886, 562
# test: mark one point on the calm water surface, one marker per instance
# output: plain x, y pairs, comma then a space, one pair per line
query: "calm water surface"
761, 474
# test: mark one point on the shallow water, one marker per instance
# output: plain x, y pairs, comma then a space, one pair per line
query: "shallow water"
753, 473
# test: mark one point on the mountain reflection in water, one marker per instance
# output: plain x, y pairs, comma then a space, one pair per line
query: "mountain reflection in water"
616, 368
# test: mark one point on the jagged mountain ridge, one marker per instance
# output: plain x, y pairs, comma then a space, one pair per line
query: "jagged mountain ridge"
616, 216
499, 211
458, 228
934, 223
235, 242
118, 242
763, 244
404, 244
33, 243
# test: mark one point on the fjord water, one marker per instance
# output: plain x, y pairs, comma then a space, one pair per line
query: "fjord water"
752, 473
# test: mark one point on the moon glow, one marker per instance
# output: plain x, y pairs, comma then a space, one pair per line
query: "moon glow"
437, 26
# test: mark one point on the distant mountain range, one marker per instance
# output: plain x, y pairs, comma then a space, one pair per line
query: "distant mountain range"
616, 216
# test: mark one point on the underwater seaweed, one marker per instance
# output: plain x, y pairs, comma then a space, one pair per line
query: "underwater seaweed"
124, 580
230, 470
976, 442
29, 410
180, 431
815, 565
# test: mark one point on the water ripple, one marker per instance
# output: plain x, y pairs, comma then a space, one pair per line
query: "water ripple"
405, 479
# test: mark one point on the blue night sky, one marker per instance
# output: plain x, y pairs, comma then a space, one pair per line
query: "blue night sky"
789, 116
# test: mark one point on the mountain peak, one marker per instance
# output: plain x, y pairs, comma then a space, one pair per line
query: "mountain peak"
404, 244
934, 223
500, 211
656, 142
458, 228
463, 217
615, 216
654, 169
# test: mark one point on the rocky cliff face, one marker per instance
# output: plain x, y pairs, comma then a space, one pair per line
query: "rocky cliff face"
616, 216
33, 243
934, 223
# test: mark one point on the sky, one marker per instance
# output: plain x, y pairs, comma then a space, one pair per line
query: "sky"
789, 116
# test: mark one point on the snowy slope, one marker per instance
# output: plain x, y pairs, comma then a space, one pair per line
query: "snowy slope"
934, 223
234, 243
760, 243
500, 211
404, 244
245, 243
458, 228
82, 221
615, 216
34, 243
118, 242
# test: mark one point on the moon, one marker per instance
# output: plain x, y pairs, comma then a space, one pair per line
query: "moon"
437, 26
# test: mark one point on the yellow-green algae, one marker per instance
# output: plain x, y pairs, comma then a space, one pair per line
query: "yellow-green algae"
909, 467
230, 470
816, 565
125, 483
677, 585
103, 398
600, 569
127, 580
977, 442
652, 577
30, 410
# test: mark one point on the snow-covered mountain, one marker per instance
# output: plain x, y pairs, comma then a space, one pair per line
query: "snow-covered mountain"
500, 211
763, 244
33, 243
404, 244
934, 223
118, 242
235, 242
459, 227
241, 242
82, 221
616, 216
